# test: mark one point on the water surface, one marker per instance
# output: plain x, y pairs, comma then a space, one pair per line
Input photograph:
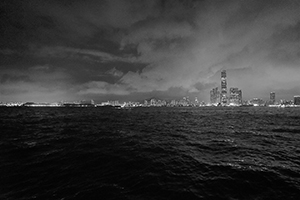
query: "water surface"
150, 153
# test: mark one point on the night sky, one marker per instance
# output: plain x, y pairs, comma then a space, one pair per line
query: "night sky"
55, 50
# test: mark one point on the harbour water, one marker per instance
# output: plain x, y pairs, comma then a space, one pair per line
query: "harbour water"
150, 153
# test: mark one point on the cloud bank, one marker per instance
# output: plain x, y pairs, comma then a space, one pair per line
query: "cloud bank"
179, 44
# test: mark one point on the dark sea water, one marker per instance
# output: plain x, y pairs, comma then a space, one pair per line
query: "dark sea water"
150, 153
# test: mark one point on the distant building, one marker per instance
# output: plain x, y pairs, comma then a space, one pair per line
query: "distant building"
284, 102
196, 103
297, 100
186, 101
223, 87
240, 97
272, 98
235, 97
173, 103
28, 104
146, 103
257, 102
214, 96
86, 103
153, 102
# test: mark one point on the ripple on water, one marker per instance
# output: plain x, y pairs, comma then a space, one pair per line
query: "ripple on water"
150, 153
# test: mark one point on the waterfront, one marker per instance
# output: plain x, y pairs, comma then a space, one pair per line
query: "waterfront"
150, 153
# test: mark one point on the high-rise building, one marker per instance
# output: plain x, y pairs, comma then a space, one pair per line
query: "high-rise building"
272, 98
240, 97
223, 87
297, 100
215, 96
235, 97
212, 96
196, 101
152, 102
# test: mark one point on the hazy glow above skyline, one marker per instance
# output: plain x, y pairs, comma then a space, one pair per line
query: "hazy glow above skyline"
125, 49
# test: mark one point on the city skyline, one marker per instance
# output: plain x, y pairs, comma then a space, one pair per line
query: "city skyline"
224, 97
134, 50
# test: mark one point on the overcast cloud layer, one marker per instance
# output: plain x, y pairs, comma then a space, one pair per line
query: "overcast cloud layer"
133, 50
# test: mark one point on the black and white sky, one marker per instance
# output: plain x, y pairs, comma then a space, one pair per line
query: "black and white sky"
54, 50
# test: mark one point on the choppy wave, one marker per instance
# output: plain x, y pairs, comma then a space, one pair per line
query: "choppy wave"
149, 153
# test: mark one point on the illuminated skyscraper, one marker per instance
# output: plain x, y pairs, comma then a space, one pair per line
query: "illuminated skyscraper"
215, 96
223, 87
272, 98
240, 97
235, 96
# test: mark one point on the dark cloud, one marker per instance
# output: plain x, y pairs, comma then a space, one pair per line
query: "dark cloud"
114, 72
135, 49
81, 54
8, 78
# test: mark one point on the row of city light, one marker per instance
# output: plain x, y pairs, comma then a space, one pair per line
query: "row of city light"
217, 98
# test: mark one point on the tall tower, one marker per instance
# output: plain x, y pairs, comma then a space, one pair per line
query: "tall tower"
223, 87
272, 98
240, 97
